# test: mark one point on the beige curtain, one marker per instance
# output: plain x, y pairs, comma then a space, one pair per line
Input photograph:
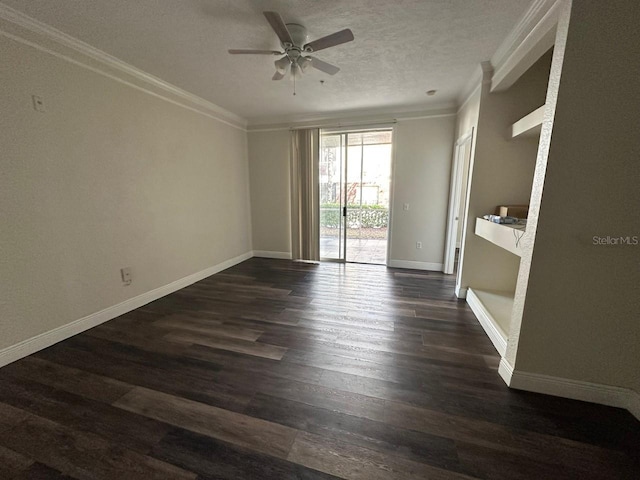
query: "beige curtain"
305, 197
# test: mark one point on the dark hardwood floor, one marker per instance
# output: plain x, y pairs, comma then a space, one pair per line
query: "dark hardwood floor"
281, 370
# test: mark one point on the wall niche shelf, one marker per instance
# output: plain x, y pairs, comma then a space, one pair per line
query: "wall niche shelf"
504, 236
529, 125
502, 170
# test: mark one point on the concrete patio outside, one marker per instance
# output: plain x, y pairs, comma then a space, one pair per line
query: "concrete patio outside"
360, 250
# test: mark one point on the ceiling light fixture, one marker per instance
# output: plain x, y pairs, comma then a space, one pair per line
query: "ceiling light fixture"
304, 63
282, 65
296, 71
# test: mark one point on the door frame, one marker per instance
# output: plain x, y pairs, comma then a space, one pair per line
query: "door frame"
392, 183
462, 148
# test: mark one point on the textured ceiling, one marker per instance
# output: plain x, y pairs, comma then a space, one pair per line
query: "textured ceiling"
402, 48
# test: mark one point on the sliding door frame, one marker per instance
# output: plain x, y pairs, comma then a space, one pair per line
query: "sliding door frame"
342, 256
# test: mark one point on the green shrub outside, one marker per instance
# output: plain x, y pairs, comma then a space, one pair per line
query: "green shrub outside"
365, 216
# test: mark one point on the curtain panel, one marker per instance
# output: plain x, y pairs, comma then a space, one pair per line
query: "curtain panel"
305, 196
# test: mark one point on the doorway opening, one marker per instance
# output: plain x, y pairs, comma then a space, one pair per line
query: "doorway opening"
355, 182
458, 192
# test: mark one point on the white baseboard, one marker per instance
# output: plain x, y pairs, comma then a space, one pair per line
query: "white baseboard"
574, 389
46, 339
492, 330
505, 370
435, 267
634, 404
461, 292
268, 254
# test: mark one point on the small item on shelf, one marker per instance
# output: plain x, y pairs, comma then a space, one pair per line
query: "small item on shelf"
500, 219
518, 211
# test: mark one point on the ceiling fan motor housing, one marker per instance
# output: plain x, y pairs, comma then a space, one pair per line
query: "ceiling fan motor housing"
298, 35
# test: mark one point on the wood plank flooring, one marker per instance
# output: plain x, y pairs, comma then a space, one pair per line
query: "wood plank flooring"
281, 370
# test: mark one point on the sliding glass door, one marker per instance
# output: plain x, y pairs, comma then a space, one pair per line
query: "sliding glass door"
332, 197
355, 176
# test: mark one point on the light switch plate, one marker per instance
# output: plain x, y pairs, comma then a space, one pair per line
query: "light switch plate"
125, 273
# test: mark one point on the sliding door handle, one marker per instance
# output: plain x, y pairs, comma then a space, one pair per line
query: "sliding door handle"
344, 211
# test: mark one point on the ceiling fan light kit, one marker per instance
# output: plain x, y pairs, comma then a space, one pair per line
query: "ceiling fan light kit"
282, 65
304, 63
294, 41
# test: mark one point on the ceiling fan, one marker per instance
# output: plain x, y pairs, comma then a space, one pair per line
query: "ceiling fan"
293, 38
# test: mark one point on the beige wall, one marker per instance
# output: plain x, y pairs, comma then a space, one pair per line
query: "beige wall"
422, 169
270, 190
422, 163
581, 317
108, 177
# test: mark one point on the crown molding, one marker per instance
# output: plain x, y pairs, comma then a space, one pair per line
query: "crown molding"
34, 33
532, 36
481, 75
531, 17
528, 40
350, 118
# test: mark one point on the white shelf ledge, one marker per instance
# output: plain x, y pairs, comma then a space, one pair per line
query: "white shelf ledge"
493, 311
505, 236
529, 125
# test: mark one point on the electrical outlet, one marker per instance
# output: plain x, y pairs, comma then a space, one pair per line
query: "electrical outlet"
38, 103
405, 207
125, 273
418, 245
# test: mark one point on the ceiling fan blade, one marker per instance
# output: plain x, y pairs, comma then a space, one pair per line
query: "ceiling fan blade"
278, 25
343, 36
323, 66
278, 76
255, 52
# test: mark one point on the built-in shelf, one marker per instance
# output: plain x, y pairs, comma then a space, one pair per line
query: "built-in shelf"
529, 125
493, 311
503, 235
